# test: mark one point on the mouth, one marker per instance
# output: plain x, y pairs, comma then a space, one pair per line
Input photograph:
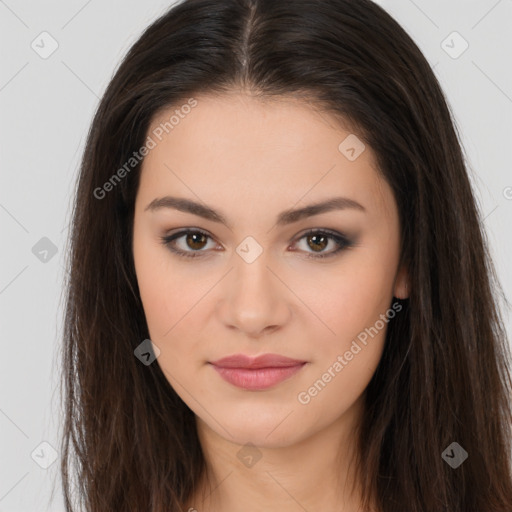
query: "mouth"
258, 373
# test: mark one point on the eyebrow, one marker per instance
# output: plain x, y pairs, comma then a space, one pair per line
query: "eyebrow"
284, 218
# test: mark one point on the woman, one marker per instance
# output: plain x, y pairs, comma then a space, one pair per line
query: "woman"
280, 295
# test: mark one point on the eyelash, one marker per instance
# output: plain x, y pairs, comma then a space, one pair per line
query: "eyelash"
342, 241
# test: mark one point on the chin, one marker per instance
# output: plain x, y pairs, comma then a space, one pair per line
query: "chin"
265, 432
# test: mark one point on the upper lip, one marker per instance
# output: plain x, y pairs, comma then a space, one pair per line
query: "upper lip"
262, 361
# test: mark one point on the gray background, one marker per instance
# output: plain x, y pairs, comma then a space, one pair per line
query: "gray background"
46, 107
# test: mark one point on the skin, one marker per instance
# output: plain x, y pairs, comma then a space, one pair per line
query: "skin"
251, 160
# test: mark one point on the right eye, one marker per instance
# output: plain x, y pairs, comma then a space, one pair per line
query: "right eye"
193, 239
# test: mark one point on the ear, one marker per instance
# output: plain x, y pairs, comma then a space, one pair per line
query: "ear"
401, 287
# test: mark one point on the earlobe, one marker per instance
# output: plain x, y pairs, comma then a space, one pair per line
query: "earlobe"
406, 291
401, 290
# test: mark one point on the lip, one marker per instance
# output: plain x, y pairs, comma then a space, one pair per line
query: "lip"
256, 373
262, 361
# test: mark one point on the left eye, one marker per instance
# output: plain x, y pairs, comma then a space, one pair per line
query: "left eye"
320, 239
197, 240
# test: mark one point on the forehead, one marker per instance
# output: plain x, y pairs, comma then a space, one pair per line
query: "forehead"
269, 151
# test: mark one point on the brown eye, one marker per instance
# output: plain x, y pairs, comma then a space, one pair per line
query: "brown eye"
317, 242
196, 240
192, 243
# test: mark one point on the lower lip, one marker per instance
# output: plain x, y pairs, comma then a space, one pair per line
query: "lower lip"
257, 379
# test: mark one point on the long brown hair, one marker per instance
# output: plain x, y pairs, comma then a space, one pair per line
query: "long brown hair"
444, 375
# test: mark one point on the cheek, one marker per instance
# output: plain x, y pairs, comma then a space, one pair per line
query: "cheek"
168, 305
347, 299
162, 291
358, 308
167, 322
354, 304
174, 299
345, 362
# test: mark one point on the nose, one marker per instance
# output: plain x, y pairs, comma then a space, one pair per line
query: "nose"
254, 300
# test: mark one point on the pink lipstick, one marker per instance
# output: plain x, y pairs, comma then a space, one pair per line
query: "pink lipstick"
256, 373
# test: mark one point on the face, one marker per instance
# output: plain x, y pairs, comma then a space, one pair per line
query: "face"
241, 273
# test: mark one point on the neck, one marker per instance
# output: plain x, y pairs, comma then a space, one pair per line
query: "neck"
315, 473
